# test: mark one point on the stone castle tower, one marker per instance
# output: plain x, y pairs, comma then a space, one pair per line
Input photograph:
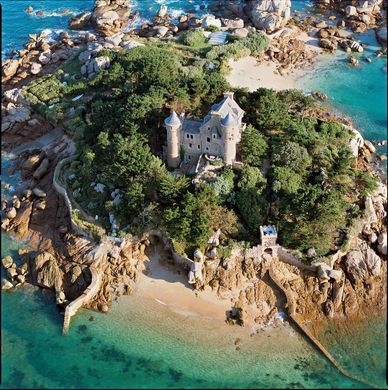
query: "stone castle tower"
229, 127
217, 135
173, 125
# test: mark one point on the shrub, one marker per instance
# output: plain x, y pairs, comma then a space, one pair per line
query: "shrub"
193, 38
212, 28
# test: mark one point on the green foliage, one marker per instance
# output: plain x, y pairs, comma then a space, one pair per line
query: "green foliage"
310, 181
293, 156
286, 180
253, 146
251, 177
365, 182
193, 38
252, 207
172, 188
224, 184
212, 28
120, 158
255, 42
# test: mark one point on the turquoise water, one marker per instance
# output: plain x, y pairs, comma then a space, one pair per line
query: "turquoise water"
141, 344
357, 92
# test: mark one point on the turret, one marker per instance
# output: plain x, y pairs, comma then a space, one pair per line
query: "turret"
173, 125
229, 131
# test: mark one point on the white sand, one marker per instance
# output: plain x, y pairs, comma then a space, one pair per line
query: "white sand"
248, 73
164, 285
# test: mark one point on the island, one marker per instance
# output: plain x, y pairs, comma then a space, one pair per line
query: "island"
135, 148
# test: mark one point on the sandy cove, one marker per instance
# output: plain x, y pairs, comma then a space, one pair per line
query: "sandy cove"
167, 284
249, 72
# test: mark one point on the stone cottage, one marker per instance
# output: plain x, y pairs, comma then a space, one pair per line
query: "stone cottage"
217, 135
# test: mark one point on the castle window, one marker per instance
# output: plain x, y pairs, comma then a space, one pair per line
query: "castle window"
188, 135
199, 146
190, 145
191, 136
208, 139
207, 148
214, 136
189, 157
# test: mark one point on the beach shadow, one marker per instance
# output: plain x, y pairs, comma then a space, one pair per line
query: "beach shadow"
161, 266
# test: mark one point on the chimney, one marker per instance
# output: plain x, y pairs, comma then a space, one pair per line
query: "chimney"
228, 94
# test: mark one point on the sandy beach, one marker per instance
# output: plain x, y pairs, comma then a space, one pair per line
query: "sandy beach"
248, 72
168, 286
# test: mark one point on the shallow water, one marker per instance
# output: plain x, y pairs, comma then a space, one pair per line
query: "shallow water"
142, 344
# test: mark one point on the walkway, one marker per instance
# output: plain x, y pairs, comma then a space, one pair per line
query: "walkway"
291, 309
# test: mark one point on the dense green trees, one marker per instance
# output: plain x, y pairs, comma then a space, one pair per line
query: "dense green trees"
250, 201
305, 186
253, 146
293, 156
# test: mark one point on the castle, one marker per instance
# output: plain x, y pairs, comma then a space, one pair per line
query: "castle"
217, 135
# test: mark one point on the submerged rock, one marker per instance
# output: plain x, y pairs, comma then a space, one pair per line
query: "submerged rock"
6, 284
7, 262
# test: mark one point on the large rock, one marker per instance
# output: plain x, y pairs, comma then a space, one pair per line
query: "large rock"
6, 285
84, 56
50, 276
356, 143
351, 11
35, 68
80, 21
356, 266
10, 68
369, 146
42, 169
327, 44
362, 262
12, 95
162, 11
382, 243
7, 262
98, 63
31, 162
21, 222
46, 272
233, 23
241, 32
38, 192
19, 114
269, 15
45, 57
211, 20
11, 213
110, 16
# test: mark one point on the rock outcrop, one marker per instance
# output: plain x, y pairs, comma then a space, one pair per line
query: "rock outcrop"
268, 15
80, 21
110, 16
359, 14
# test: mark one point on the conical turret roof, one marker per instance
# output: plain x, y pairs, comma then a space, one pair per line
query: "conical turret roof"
173, 119
228, 121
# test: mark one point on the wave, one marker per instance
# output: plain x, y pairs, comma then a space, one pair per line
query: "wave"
56, 13
51, 35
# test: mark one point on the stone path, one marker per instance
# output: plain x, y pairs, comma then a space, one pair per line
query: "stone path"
218, 38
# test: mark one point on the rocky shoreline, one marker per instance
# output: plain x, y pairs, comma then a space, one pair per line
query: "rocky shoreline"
59, 260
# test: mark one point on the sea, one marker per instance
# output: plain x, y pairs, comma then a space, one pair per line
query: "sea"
141, 343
